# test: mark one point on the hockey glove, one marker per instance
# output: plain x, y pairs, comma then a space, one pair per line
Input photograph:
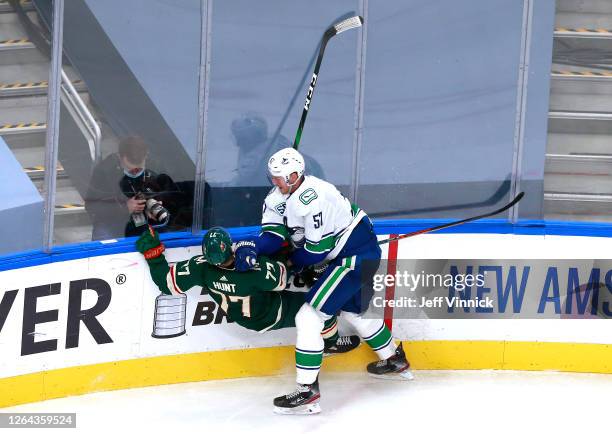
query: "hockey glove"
319, 270
313, 273
246, 255
149, 245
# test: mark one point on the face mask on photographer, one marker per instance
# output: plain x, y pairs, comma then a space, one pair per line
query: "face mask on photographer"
133, 173
130, 169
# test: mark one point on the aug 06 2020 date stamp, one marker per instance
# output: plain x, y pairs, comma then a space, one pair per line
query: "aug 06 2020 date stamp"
37, 420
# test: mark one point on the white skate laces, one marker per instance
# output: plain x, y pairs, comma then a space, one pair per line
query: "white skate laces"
343, 340
381, 363
301, 388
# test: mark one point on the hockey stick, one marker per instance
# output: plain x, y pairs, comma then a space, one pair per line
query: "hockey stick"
336, 29
298, 89
460, 222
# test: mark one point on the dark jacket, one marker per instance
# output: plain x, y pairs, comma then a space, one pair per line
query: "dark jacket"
109, 190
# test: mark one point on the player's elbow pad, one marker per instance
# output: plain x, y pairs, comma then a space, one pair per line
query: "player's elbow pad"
268, 244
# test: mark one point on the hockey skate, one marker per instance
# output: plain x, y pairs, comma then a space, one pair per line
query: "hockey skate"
304, 400
343, 344
395, 367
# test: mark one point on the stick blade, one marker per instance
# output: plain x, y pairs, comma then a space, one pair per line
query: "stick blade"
349, 23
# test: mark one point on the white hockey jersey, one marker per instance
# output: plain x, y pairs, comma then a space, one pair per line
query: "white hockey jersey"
316, 216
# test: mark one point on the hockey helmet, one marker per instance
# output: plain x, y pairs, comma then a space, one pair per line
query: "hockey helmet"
249, 130
217, 246
286, 161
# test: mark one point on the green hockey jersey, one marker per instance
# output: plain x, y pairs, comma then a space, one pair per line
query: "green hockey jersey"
251, 299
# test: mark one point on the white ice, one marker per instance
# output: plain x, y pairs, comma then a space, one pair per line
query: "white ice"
435, 402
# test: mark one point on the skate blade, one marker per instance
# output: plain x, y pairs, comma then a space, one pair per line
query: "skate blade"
301, 410
406, 375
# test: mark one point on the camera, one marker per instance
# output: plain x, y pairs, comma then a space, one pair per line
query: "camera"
153, 208
157, 211
150, 187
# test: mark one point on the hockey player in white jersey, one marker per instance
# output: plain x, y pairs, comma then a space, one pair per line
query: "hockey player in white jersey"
337, 238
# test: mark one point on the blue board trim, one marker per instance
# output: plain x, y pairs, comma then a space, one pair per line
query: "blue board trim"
381, 227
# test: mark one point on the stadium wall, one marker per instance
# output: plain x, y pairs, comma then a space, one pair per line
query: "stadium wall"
83, 325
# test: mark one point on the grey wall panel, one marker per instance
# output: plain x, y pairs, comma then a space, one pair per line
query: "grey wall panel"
440, 100
115, 89
159, 40
21, 207
536, 115
260, 53
440, 103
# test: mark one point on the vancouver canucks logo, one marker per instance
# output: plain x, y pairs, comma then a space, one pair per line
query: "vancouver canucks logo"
285, 160
281, 207
308, 196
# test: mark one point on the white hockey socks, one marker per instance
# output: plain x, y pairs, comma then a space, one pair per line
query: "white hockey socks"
309, 343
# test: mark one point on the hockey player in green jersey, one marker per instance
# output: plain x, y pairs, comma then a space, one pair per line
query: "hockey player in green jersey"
256, 300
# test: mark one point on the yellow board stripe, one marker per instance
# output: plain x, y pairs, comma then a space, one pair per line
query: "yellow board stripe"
584, 73
15, 41
34, 169
31, 84
39, 168
23, 125
69, 206
216, 365
582, 30
24, 85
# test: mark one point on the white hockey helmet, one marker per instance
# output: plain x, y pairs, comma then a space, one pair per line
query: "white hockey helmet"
285, 162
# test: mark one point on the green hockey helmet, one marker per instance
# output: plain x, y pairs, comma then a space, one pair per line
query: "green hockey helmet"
217, 246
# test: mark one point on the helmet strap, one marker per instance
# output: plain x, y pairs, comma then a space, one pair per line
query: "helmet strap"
297, 181
229, 264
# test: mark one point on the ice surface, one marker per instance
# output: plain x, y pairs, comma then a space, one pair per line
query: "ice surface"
435, 402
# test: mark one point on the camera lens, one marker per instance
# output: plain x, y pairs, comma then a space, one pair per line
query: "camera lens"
157, 211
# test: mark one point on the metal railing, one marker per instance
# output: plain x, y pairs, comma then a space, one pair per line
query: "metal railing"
81, 114
578, 197
575, 157
581, 115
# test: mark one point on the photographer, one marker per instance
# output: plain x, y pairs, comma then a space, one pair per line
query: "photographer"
124, 196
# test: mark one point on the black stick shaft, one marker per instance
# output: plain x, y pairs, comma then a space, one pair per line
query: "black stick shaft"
311, 62
311, 87
349, 23
459, 222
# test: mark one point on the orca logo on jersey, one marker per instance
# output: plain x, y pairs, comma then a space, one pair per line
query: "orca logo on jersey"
281, 207
308, 196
